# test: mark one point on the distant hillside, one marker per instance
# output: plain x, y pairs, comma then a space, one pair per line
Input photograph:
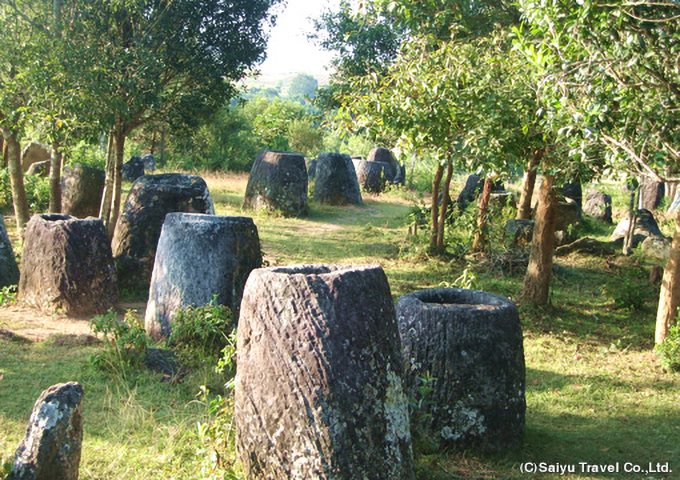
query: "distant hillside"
282, 80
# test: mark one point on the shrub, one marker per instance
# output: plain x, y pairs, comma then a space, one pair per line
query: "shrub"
125, 342
669, 351
8, 295
200, 333
37, 192
630, 289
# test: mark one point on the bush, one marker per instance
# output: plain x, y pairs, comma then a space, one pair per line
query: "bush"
669, 351
630, 289
125, 342
37, 192
201, 333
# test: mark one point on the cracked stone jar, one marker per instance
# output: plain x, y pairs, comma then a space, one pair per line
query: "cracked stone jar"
318, 385
464, 361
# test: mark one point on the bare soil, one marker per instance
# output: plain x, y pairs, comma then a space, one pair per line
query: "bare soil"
19, 322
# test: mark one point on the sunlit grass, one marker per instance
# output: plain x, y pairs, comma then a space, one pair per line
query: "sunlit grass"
595, 391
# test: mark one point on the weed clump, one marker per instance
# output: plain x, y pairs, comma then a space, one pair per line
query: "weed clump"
201, 333
669, 351
125, 342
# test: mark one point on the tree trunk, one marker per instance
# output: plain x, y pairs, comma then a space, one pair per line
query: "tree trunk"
413, 171
536, 286
119, 149
480, 234
434, 210
114, 179
632, 218
3, 151
16, 176
446, 200
524, 207
669, 297
105, 210
55, 179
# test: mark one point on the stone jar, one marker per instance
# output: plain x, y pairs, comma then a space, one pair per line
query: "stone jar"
200, 257
67, 265
318, 385
470, 344
278, 182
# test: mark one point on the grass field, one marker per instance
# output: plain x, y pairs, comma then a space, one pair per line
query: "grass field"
596, 393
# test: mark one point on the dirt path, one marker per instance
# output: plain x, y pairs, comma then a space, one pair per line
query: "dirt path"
36, 326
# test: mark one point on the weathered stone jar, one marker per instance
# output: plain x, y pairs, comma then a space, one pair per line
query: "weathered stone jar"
318, 386
138, 228
53, 442
9, 271
66, 265
470, 343
200, 256
372, 176
336, 180
278, 182
82, 189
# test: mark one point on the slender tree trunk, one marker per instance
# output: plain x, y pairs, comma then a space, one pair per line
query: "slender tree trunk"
153, 143
413, 171
536, 286
524, 207
669, 297
434, 210
446, 200
119, 149
161, 159
480, 234
3, 151
632, 219
55, 178
105, 209
16, 176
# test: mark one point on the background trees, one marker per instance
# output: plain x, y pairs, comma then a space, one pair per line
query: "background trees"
123, 65
610, 77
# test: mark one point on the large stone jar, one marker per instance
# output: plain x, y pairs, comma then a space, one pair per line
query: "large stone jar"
199, 257
138, 228
470, 343
278, 182
336, 180
9, 271
318, 386
82, 189
66, 265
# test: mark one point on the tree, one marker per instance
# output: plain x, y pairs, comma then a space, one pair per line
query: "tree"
145, 60
303, 87
610, 74
15, 83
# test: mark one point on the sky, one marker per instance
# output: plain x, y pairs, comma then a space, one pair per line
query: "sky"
289, 51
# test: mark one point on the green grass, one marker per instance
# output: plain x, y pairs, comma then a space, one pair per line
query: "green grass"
595, 391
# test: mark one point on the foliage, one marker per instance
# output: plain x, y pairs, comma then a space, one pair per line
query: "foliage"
201, 333
216, 437
629, 289
37, 192
125, 341
303, 88
362, 43
227, 142
85, 153
8, 295
669, 351
609, 78
419, 404
304, 137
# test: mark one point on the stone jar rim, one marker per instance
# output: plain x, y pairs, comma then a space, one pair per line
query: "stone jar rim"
318, 269
454, 298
